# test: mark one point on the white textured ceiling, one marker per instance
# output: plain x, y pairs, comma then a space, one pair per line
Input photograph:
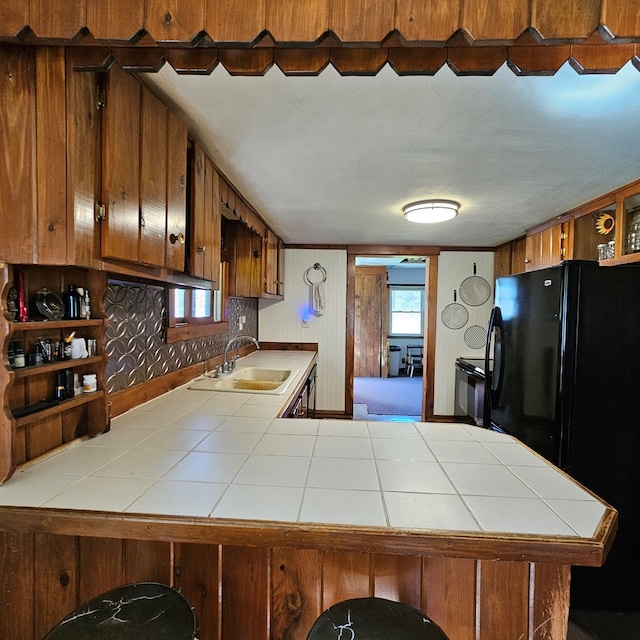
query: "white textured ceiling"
332, 160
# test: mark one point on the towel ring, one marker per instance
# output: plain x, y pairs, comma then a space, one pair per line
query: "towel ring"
316, 267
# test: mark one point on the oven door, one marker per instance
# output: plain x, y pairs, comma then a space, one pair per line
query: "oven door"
470, 395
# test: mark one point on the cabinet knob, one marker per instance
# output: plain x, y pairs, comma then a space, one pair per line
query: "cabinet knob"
179, 238
202, 249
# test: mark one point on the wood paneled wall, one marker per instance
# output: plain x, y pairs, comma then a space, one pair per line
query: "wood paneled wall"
276, 593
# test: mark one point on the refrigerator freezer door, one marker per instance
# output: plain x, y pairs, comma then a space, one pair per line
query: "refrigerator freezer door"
525, 399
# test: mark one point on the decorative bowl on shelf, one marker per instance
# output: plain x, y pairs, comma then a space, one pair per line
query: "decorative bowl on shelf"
49, 304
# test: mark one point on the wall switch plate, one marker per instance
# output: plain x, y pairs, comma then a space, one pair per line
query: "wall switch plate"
305, 324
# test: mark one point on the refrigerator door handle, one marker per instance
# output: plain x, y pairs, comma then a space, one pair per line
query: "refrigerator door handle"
496, 328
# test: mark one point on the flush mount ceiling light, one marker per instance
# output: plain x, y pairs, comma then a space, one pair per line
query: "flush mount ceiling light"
431, 211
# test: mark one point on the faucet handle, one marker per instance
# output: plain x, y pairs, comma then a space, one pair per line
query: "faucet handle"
232, 364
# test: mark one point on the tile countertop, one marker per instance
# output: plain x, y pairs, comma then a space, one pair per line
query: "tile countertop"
226, 455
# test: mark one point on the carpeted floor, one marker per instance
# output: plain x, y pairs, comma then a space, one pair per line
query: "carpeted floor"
389, 396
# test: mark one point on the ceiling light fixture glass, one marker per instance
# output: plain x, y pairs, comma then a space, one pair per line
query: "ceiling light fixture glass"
431, 211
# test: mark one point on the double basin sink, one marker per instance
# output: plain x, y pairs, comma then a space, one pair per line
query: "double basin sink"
255, 380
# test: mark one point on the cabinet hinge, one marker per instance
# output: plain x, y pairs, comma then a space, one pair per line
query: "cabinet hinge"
100, 212
101, 98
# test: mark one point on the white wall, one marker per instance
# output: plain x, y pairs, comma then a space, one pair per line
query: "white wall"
453, 268
281, 320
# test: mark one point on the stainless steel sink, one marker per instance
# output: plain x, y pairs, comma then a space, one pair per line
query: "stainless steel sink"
255, 380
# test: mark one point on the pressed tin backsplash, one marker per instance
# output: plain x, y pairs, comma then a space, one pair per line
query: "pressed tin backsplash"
134, 338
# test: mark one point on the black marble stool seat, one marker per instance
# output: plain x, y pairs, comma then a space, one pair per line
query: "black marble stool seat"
142, 611
374, 619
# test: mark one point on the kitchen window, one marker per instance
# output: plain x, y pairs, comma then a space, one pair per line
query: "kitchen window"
406, 311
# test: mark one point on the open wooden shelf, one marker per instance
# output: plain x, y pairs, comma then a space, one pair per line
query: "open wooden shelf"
58, 408
24, 372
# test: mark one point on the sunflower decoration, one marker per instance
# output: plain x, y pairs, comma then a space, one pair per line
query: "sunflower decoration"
605, 224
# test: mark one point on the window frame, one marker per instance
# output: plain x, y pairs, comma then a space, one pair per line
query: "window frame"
402, 287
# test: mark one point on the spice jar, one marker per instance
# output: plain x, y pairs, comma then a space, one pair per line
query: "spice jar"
89, 383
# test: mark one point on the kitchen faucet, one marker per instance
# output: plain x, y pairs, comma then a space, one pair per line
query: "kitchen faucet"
230, 366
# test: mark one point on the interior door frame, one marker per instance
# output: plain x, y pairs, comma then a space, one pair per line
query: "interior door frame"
431, 292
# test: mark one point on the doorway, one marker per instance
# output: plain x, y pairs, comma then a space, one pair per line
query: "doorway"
388, 312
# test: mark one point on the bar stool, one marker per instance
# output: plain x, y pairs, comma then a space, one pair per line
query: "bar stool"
141, 611
415, 355
374, 619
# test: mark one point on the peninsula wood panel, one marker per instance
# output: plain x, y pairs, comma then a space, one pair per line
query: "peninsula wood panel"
68, 19
287, 588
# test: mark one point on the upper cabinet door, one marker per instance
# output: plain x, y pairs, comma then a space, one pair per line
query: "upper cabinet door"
176, 193
153, 180
121, 165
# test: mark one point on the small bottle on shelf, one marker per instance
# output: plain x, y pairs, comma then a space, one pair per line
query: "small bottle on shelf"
87, 305
18, 355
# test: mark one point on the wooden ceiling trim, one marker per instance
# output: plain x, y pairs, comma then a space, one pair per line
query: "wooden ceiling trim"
495, 22
425, 61
523, 60
597, 58
297, 20
65, 23
536, 60
362, 21
480, 61
173, 21
234, 22
299, 62
116, 21
430, 21
302, 22
566, 22
192, 61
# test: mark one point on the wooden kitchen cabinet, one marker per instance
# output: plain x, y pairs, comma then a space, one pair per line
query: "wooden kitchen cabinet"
244, 254
545, 248
205, 239
28, 435
272, 266
144, 176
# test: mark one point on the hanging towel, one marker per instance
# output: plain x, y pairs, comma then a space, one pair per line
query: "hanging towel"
318, 299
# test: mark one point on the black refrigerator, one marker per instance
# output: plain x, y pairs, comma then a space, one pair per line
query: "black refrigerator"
566, 382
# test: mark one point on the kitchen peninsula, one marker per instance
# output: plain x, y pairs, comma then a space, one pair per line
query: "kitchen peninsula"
263, 522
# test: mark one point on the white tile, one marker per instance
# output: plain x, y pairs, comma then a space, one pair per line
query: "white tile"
178, 498
549, 483
96, 494
141, 463
173, 439
34, 489
229, 442
486, 480
254, 502
459, 451
201, 466
343, 428
121, 437
282, 471
286, 444
582, 516
198, 421
78, 460
443, 431
487, 435
394, 449
343, 447
245, 424
237, 399
266, 400
517, 515
216, 409
257, 411
393, 430
428, 511
336, 473
149, 418
513, 453
413, 477
302, 426
180, 401
343, 507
